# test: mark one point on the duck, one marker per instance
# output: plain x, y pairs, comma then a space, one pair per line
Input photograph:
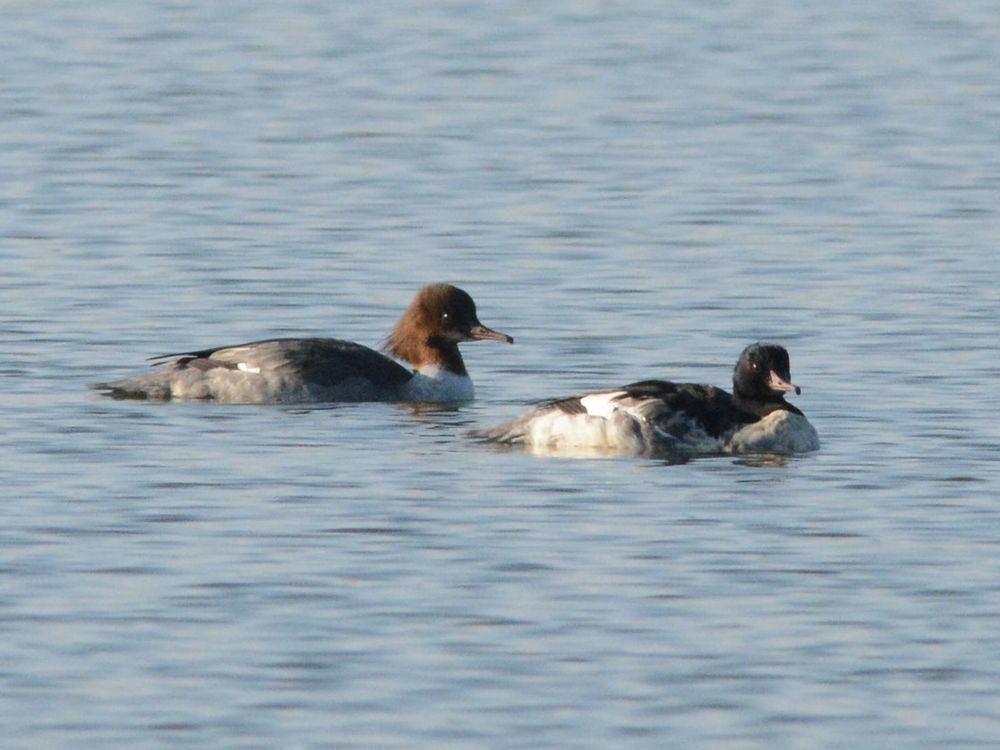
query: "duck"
664, 418
297, 370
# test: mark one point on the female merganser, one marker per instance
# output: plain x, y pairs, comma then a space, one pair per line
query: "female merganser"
657, 417
325, 369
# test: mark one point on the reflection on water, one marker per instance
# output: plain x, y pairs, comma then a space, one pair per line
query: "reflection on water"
771, 460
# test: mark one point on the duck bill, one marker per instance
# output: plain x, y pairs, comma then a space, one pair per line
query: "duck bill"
479, 332
777, 383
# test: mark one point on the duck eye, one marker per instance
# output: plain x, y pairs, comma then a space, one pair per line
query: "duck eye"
444, 316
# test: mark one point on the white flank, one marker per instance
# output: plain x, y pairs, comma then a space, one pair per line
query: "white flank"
582, 434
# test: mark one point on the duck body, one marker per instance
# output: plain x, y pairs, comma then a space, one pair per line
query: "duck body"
659, 417
295, 370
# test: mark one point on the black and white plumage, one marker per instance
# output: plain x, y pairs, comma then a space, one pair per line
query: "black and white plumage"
290, 370
658, 417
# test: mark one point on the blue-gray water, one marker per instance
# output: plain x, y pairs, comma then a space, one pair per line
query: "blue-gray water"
632, 190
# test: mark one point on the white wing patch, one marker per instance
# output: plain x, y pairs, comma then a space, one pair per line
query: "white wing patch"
601, 404
244, 367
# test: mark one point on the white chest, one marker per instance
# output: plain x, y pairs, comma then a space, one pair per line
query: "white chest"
437, 384
778, 432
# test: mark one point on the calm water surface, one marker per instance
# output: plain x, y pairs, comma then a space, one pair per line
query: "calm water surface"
631, 190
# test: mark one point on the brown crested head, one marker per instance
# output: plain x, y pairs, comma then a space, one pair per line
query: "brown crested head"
438, 318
